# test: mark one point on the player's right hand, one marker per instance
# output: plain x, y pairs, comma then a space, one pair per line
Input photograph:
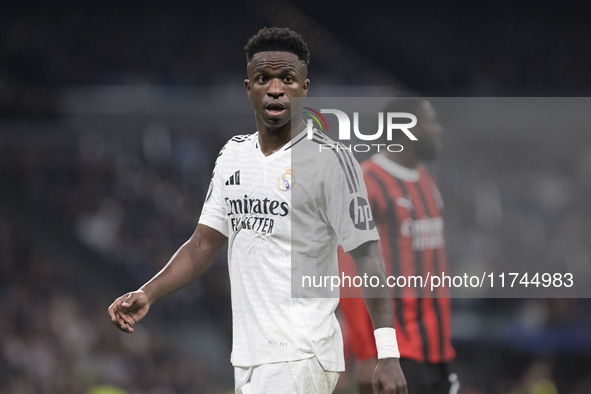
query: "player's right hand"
129, 309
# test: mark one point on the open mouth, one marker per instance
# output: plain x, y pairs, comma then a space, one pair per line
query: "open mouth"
275, 109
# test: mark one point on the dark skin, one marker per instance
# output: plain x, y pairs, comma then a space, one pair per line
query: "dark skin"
274, 77
428, 132
386, 374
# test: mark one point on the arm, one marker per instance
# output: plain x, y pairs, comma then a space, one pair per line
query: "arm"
387, 377
191, 261
360, 334
378, 300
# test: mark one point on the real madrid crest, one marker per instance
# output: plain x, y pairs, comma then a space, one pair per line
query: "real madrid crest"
286, 180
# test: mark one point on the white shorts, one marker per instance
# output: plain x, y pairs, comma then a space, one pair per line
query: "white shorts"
293, 377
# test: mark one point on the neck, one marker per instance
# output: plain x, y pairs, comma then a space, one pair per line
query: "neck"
273, 139
407, 158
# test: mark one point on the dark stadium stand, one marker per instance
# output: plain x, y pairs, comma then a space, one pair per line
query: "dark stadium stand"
94, 197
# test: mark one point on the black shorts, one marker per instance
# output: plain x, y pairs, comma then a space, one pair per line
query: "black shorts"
423, 378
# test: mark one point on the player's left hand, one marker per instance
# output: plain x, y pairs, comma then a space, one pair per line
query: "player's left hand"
388, 377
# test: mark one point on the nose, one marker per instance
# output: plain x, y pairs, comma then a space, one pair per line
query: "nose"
275, 89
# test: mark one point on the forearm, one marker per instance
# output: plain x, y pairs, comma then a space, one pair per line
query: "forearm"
190, 261
381, 312
378, 300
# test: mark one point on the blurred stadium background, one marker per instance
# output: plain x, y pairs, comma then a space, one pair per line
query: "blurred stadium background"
112, 114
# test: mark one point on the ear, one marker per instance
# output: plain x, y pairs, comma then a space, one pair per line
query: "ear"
247, 87
305, 86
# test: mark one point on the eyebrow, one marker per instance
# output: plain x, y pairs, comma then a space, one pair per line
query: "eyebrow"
260, 68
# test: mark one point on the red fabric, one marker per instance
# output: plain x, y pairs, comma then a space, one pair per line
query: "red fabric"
422, 324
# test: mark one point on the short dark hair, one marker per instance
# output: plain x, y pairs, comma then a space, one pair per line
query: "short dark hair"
277, 39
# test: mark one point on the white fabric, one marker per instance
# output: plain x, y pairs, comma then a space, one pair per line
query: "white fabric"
293, 377
270, 326
395, 169
386, 343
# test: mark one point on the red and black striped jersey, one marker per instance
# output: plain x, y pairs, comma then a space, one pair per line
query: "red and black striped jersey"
406, 206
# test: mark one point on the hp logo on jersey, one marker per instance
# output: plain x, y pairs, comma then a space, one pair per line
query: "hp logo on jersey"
360, 213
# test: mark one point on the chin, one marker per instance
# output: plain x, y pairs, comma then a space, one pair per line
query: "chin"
276, 123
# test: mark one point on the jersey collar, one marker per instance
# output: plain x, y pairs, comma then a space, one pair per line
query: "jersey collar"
294, 140
395, 169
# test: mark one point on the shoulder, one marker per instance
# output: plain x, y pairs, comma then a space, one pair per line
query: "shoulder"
334, 160
374, 176
369, 166
239, 139
427, 175
236, 143
326, 152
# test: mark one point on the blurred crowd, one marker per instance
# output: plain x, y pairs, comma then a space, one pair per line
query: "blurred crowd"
55, 338
133, 204
521, 204
133, 208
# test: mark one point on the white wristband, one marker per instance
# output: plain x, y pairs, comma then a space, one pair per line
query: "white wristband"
386, 343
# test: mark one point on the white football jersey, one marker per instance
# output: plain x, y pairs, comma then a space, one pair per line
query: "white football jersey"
274, 235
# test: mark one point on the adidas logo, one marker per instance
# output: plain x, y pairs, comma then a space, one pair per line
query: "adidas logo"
234, 179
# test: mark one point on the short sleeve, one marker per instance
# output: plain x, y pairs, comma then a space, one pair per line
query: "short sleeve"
214, 209
347, 205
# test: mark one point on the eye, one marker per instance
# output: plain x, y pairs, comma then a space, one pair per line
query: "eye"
262, 79
288, 79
